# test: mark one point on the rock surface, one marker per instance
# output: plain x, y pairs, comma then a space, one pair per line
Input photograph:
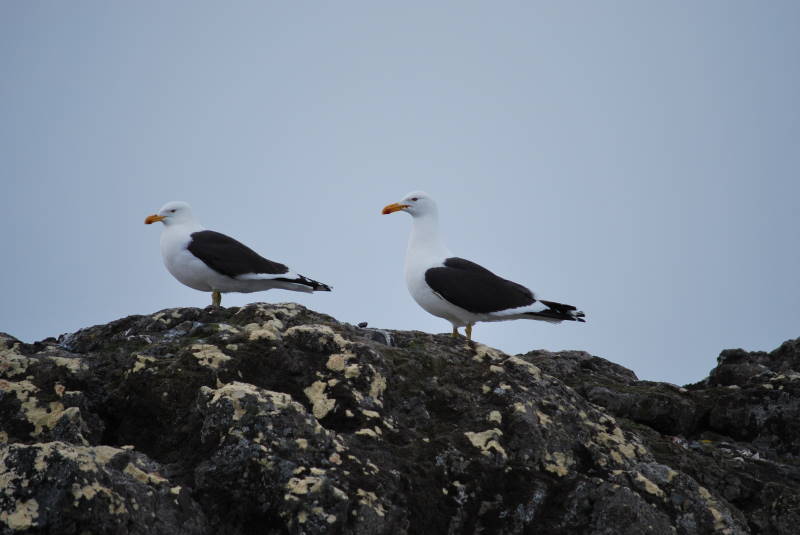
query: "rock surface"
277, 419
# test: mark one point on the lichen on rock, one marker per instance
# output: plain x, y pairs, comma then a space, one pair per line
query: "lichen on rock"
277, 419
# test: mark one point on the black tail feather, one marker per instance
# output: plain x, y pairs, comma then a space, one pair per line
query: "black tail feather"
311, 283
560, 311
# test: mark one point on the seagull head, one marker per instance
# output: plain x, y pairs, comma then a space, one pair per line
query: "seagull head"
416, 203
172, 213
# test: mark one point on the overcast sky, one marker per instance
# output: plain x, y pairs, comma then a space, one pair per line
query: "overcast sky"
636, 159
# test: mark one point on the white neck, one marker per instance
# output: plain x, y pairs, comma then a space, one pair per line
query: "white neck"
186, 226
425, 240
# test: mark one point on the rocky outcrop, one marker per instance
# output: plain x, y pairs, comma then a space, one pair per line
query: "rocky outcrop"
736, 432
277, 419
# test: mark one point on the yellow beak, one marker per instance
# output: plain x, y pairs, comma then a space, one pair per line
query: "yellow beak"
394, 207
153, 219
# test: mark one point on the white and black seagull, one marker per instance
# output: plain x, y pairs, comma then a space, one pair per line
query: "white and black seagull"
460, 291
212, 262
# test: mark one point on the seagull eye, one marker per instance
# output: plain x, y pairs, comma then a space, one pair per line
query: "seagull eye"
173, 210
414, 198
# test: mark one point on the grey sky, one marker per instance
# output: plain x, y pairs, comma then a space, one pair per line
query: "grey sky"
637, 159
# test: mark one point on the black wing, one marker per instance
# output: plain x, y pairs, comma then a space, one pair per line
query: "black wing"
475, 288
225, 255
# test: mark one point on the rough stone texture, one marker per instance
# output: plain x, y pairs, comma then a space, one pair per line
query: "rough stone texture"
736, 432
277, 419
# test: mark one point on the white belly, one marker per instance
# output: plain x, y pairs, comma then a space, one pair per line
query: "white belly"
189, 270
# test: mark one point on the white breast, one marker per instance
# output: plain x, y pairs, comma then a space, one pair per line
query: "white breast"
182, 264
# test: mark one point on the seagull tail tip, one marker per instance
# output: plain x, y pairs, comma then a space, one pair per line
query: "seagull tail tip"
321, 287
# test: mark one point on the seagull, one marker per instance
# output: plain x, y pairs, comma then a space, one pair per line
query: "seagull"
458, 290
213, 262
